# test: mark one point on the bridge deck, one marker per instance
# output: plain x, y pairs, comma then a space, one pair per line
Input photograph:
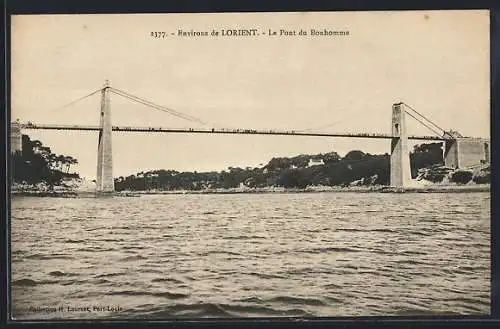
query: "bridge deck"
223, 131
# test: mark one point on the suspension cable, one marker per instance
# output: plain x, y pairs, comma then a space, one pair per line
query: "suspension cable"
156, 106
422, 116
77, 100
424, 124
152, 105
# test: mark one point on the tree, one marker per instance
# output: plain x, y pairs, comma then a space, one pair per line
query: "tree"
300, 161
278, 164
36, 164
426, 155
332, 157
298, 178
355, 155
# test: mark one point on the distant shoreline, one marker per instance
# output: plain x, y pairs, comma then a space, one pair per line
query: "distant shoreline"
270, 190
357, 189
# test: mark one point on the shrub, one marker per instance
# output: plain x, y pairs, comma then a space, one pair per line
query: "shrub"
482, 178
461, 177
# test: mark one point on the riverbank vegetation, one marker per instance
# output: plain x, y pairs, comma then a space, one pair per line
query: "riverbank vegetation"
36, 167
356, 168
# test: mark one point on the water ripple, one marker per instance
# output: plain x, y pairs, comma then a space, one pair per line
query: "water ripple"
248, 255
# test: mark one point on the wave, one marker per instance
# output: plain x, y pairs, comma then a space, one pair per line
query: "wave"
59, 273
73, 241
95, 228
349, 230
469, 301
332, 286
243, 237
25, 282
382, 230
328, 249
354, 267
266, 275
167, 280
411, 262
165, 294
47, 257
408, 311
151, 270
218, 310
102, 281
219, 252
107, 275
170, 295
136, 257
298, 300
112, 240
31, 283
94, 249
253, 299
126, 227
419, 232
383, 252
413, 252
130, 247
479, 268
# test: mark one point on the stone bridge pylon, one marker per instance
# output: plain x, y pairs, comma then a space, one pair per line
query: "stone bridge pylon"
104, 179
400, 170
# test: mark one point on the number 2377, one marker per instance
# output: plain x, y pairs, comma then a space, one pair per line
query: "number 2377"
158, 34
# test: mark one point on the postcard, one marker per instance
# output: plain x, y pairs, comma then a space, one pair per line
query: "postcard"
249, 165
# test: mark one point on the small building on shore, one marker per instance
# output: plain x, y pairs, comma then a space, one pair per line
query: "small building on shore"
315, 162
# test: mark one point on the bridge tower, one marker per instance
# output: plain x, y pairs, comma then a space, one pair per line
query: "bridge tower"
104, 179
400, 157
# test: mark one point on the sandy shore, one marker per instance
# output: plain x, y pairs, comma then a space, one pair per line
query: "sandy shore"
317, 189
359, 189
65, 194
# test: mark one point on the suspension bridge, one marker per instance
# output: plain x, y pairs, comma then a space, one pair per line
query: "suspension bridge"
459, 151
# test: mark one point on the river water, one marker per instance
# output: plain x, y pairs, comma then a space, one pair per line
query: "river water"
251, 255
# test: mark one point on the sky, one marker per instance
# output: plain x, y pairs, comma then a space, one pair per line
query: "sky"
435, 61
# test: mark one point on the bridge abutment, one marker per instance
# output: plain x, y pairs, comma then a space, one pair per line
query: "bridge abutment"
16, 138
400, 172
104, 179
465, 152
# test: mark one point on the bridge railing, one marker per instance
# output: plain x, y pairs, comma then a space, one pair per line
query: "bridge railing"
30, 125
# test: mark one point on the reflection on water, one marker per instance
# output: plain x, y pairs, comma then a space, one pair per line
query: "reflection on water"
239, 255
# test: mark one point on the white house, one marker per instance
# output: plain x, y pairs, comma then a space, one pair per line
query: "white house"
315, 162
